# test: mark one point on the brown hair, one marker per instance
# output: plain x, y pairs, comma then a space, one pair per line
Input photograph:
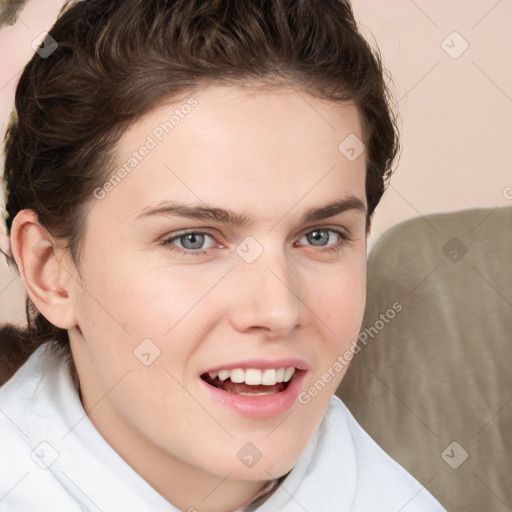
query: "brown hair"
115, 61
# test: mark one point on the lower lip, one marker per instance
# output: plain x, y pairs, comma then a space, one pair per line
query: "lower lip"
262, 406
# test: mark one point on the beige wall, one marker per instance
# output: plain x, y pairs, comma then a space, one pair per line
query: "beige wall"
456, 113
455, 106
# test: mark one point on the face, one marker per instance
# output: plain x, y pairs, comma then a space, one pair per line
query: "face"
187, 317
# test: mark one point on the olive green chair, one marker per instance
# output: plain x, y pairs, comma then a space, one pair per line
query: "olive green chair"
432, 381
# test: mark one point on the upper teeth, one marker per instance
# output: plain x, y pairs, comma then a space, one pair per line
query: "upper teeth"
255, 377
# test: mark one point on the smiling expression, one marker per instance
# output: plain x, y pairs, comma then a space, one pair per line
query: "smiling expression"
220, 277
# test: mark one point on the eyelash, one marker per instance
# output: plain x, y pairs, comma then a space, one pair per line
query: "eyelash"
199, 252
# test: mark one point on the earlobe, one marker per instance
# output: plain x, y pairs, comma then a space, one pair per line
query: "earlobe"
46, 279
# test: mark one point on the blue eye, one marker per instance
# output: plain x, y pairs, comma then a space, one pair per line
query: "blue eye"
323, 235
192, 241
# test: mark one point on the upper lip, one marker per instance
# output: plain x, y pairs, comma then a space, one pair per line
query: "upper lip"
261, 364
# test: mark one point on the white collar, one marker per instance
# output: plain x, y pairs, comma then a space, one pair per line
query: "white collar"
341, 469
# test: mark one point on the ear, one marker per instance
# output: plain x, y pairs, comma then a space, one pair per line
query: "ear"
43, 270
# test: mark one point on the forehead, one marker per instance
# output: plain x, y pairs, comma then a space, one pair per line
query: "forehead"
249, 147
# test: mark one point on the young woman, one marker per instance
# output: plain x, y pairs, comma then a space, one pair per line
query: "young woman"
189, 186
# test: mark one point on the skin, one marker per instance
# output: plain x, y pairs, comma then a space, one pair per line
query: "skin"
272, 155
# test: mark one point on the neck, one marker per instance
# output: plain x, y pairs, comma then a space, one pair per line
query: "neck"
185, 486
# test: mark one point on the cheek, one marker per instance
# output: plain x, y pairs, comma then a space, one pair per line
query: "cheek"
341, 302
125, 302
134, 323
126, 294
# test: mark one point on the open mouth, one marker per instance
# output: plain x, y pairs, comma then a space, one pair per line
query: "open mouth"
252, 381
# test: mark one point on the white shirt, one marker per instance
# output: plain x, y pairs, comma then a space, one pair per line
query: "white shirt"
52, 459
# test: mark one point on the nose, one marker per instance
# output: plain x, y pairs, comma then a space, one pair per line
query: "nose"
267, 296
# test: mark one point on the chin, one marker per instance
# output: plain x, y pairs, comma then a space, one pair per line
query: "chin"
262, 470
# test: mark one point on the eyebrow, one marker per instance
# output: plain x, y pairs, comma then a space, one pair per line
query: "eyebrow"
175, 209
